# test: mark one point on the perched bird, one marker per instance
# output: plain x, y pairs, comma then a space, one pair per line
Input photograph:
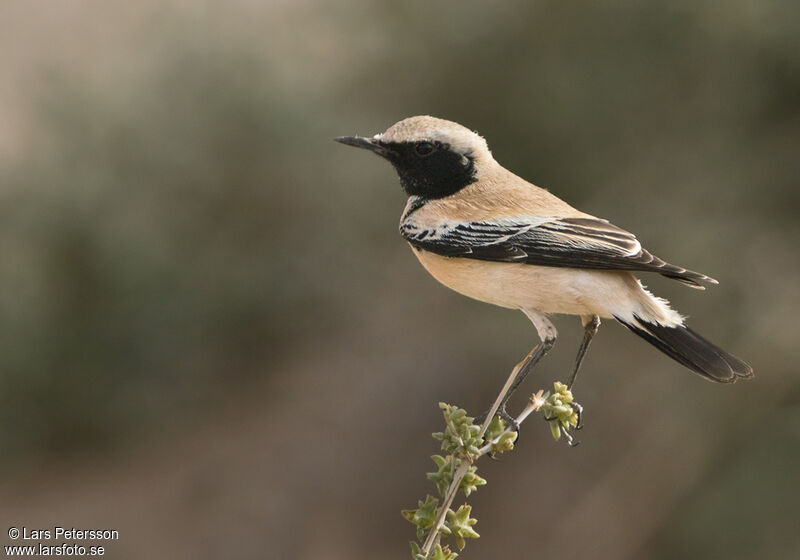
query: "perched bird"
492, 236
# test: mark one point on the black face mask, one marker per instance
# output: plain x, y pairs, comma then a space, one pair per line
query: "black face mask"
430, 169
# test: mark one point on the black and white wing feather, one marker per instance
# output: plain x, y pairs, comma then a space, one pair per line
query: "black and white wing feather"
548, 241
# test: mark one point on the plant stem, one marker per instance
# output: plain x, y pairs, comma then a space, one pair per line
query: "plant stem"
504, 390
449, 496
532, 406
466, 462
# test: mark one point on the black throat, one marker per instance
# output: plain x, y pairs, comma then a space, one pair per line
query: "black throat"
440, 174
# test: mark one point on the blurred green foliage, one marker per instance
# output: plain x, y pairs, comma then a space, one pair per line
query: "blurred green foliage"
150, 253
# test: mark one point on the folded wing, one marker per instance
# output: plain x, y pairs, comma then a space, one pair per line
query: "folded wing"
547, 241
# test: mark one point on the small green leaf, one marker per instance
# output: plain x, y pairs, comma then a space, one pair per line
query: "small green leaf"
425, 514
505, 443
563, 390
555, 429
471, 481
440, 553
558, 409
443, 477
460, 524
460, 436
496, 427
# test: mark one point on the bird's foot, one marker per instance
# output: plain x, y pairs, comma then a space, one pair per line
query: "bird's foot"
503, 414
561, 420
579, 411
510, 420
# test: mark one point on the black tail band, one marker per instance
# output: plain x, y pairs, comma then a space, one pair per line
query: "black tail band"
690, 349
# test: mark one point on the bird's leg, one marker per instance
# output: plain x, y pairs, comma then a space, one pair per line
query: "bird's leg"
590, 325
547, 333
496, 407
528, 364
516, 377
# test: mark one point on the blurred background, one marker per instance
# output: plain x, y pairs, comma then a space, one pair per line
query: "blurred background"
213, 339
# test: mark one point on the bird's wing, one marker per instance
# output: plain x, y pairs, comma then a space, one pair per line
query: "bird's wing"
548, 241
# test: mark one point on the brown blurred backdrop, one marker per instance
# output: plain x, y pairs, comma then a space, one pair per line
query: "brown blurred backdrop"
213, 339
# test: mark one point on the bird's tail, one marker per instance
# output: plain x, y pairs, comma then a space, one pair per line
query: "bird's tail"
687, 347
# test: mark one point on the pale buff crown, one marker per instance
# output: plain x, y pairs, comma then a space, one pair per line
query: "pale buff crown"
461, 139
497, 193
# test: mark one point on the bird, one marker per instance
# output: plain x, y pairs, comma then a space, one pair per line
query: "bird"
490, 235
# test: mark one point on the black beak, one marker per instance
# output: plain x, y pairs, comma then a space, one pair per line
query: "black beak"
366, 143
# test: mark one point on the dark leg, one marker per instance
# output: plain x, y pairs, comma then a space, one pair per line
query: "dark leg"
524, 368
511, 384
547, 334
589, 330
531, 361
579, 409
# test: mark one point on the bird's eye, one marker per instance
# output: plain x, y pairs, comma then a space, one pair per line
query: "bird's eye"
424, 148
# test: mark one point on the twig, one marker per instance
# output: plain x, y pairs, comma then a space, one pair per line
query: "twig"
449, 496
535, 403
466, 462
493, 410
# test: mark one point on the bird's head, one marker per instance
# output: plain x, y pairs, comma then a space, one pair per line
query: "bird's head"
433, 157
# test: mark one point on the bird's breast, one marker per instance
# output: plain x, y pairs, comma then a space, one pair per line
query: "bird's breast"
492, 282
524, 286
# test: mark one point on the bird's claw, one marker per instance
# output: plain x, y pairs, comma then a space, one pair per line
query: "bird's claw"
510, 420
578, 408
579, 411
